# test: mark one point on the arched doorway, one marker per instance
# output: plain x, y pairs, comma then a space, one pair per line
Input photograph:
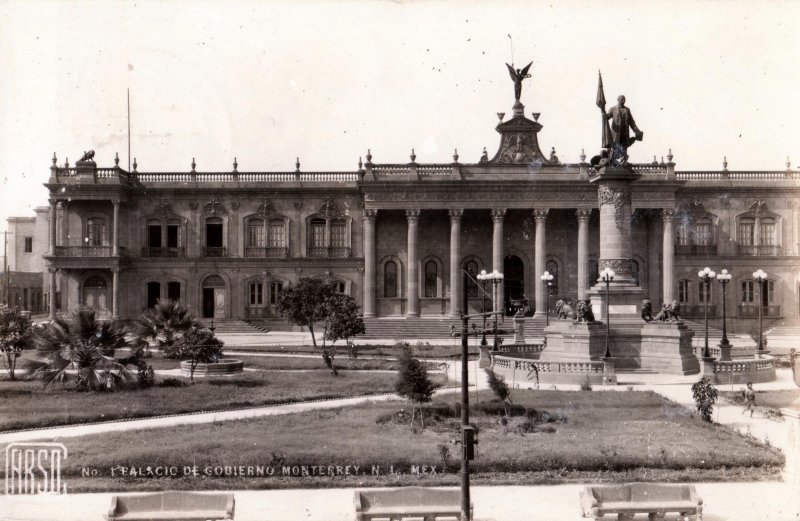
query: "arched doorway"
95, 294
213, 297
513, 281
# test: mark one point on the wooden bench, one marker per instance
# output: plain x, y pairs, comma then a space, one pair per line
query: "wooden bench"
655, 499
419, 502
171, 506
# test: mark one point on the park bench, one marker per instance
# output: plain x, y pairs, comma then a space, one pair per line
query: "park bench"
655, 499
171, 506
395, 504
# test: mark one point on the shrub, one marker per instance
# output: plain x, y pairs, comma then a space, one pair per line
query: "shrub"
499, 386
586, 385
172, 382
15, 336
705, 396
146, 376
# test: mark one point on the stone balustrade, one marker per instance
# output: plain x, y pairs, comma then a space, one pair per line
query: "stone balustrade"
551, 371
738, 371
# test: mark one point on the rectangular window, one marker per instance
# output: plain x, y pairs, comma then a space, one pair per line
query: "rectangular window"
338, 239
747, 291
703, 293
214, 234
277, 238
746, 234
275, 289
154, 235
767, 234
683, 235
173, 235
683, 291
95, 232
702, 234
256, 235
28, 244
317, 234
256, 294
174, 291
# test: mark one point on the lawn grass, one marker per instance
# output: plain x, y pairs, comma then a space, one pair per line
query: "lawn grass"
605, 436
26, 404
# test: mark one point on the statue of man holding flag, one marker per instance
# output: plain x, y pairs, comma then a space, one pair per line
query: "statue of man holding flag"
617, 137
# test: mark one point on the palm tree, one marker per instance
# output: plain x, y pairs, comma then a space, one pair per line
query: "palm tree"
80, 344
163, 326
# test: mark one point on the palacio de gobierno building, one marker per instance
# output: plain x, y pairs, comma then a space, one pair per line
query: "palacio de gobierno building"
397, 236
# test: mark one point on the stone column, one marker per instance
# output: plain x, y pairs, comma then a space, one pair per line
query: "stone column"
115, 233
615, 228
369, 215
540, 215
115, 293
455, 262
412, 268
53, 227
498, 214
583, 251
668, 252
52, 292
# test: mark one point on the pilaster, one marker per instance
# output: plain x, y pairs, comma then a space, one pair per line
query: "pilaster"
369, 216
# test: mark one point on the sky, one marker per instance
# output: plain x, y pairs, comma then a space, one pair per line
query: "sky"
267, 82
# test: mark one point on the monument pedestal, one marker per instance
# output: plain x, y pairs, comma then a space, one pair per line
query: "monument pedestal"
570, 341
667, 348
624, 299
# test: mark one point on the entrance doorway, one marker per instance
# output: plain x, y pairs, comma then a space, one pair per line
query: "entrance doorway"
513, 282
214, 297
95, 294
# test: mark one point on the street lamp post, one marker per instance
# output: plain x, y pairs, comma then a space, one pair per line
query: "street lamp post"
761, 278
495, 277
482, 276
547, 278
706, 276
607, 276
724, 346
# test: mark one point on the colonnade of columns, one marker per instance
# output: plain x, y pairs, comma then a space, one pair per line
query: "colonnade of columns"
498, 216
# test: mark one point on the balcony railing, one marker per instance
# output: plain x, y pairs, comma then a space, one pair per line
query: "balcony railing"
151, 251
763, 249
333, 251
695, 249
264, 252
215, 251
749, 310
87, 251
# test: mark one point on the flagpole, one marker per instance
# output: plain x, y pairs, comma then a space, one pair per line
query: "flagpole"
129, 129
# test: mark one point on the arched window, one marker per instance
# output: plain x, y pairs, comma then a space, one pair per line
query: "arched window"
748, 291
702, 232
95, 231
153, 293
317, 233
255, 233
746, 232
338, 233
552, 268
390, 279
431, 279
174, 241
275, 289
683, 291
214, 238
154, 235
472, 285
767, 230
683, 233
276, 234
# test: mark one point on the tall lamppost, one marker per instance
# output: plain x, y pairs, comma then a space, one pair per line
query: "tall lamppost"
724, 346
607, 276
706, 276
547, 278
495, 277
482, 276
761, 278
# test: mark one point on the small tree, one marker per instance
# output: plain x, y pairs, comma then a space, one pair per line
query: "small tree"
413, 381
500, 388
705, 396
198, 346
315, 300
15, 336
341, 323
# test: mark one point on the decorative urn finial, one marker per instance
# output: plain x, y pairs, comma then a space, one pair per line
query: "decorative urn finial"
66, 162
135, 165
360, 164
724, 162
455, 155
536, 115
669, 155
54, 159
500, 116
583, 156
297, 164
413, 156
788, 163
235, 164
194, 165
116, 158
369, 156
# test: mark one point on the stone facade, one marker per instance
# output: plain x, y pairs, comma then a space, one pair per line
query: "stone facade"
396, 236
